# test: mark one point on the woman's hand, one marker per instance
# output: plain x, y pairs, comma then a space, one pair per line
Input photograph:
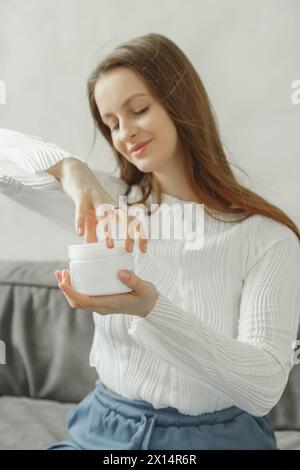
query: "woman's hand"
81, 185
133, 225
140, 302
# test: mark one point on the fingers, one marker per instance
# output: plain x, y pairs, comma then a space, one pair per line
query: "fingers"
136, 231
118, 216
75, 299
86, 221
127, 223
104, 227
142, 239
90, 234
64, 279
80, 214
90, 220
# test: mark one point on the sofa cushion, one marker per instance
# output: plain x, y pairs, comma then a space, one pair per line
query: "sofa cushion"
286, 414
288, 440
32, 424
47, 343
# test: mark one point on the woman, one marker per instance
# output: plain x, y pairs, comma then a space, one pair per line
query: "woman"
200, 353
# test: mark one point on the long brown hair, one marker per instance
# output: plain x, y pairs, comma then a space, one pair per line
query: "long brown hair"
173, 81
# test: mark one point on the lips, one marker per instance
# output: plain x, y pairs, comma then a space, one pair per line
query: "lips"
139, 146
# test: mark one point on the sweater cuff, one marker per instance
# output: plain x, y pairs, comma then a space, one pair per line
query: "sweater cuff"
30, 152
47, 155
162, 313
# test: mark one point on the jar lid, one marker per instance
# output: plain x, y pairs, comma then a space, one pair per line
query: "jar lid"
97, 250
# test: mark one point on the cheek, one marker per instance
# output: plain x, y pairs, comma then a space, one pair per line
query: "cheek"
119, 146
124, 153
163, 128
167, 139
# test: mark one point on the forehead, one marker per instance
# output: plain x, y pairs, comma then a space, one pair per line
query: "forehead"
115, 86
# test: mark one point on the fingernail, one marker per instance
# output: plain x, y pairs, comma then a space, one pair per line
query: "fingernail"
124, 275
79, 230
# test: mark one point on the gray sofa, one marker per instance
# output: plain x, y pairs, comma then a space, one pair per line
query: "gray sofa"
46, 370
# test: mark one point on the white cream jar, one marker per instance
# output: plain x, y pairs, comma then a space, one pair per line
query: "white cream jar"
94, 267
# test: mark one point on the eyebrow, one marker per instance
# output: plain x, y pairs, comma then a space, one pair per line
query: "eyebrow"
126, 101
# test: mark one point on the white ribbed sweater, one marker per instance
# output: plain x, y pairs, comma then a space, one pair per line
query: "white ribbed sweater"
222, 329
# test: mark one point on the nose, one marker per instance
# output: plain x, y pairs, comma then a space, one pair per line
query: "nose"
127, 132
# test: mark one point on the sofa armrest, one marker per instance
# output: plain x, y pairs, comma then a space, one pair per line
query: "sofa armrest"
47, 343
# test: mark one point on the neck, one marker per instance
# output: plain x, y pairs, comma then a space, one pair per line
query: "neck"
172, 180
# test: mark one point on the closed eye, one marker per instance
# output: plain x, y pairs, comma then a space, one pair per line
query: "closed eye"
137, 112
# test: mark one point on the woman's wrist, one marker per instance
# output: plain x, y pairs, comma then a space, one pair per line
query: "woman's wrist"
71, 171
60, 167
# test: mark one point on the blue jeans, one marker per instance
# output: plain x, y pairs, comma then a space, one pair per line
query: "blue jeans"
108, 421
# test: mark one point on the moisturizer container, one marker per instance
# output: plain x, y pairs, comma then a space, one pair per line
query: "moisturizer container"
94, 267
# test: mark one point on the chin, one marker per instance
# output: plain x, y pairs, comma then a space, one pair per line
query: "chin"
146, 167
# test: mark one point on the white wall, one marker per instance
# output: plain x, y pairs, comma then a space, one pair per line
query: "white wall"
247, 54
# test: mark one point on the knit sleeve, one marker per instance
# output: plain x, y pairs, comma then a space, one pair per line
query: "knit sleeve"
250, 370
24, 160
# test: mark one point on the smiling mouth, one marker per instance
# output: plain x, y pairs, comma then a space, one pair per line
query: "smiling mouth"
141, 149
